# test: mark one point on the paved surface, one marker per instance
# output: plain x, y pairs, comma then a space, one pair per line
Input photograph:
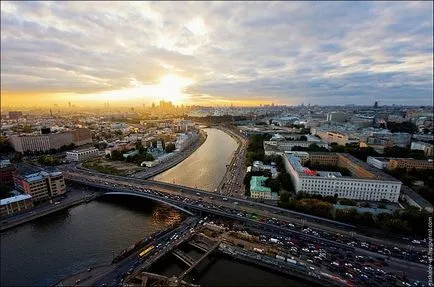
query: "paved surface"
232, 182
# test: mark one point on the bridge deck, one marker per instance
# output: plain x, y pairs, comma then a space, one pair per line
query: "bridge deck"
183, 257
200, 259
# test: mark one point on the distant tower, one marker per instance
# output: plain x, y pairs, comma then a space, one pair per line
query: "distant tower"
51, 113
376, 105
69, 104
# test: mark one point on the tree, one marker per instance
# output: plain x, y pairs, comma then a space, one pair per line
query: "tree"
285, 181
17, 157
284, 196
5, 146
303, 138
274, 184
170, 147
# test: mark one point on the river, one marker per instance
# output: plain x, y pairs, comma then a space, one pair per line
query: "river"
206, 167
48, 249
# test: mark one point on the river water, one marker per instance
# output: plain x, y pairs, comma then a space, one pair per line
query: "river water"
206, 167
48, 249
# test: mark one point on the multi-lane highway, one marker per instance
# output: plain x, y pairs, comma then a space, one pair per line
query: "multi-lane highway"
232, 182
179, 195
270, 225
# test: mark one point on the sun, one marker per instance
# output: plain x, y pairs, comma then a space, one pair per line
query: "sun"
171, 88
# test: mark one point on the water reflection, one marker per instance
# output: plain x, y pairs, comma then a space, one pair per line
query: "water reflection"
166, 214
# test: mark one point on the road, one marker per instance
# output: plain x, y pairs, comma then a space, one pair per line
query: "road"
242, 205
114, 274
232, 182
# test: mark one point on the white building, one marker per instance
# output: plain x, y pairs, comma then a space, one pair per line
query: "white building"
375, 187
378, 162
289, 145
185, 140
83, 154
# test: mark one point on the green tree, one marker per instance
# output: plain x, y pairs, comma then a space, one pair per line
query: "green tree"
170, 147
284, 196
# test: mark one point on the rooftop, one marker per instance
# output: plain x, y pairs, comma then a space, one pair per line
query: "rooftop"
256, 184
15, 199
415, 197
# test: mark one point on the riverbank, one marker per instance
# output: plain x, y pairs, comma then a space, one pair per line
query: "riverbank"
151, 172
73, 198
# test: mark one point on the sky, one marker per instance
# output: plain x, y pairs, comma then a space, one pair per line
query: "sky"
217, 53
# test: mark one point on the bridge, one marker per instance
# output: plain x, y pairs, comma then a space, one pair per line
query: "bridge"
209, 200
198, 245
183, 257
187, 207
145, 195
199, 260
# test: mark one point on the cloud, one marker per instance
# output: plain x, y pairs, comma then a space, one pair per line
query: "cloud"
287, 52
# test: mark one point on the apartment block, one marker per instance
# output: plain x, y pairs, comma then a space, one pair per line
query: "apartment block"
41, 185
410, 163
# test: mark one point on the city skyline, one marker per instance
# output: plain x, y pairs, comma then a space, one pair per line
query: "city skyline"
216, 53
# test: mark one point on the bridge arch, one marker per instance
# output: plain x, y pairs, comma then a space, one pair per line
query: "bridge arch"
144, 195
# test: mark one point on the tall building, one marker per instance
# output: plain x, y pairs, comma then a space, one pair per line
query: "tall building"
376, 105
41, 185
81, 136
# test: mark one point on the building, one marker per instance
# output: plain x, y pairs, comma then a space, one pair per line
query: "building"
427, 148
336, 117
45, 142
258, 188
7, 172
15, 115
260, 166
289, 145
41, 185
365, 182
378, 162
185, 140
410, 163
83, 154
409, 196
15, 204
81, 136
336, 137
131, 153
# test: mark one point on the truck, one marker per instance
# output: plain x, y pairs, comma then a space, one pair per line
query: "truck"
258, 250
225, 199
